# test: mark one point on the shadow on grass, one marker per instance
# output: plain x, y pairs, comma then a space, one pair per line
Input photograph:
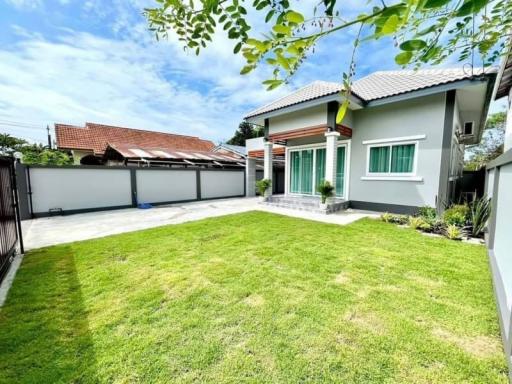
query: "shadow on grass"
44, 329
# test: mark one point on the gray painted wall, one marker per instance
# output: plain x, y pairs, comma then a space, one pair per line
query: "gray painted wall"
421, 116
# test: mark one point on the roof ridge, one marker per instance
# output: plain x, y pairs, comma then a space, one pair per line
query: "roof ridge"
143, 130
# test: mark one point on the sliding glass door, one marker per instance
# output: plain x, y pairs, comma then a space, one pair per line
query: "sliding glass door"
301, 168
307, 170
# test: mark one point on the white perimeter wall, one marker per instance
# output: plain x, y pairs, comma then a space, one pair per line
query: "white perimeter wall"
222, 184
503, 239
158, 186
79, 188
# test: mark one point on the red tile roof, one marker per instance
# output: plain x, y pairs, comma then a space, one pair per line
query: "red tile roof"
96, 137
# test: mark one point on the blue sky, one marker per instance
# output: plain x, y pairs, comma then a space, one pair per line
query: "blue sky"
73, 61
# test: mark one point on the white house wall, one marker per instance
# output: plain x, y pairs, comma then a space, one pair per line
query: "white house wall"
79, 188
299, 119
157, 186
421, 116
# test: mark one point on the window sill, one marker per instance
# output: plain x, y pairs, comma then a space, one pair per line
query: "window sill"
392, 178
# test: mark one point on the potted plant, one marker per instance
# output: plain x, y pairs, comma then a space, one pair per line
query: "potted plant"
326, 190
263, 186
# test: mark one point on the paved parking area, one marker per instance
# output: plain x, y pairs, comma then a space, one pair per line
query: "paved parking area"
64, 229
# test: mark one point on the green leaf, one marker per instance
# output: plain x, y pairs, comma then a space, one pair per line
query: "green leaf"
282, 29
435, 3
272, 84
391, 25
237, 48
342, 111
294, 17
246, 69
403, 58
471, 7
283, 62
413, 45
269, 16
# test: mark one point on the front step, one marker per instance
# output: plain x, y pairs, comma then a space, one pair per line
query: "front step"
304, 203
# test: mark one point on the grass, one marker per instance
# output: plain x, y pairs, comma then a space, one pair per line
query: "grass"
254, 297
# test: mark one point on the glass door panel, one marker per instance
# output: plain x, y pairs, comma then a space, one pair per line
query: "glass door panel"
306, 185
319, 168
340, 172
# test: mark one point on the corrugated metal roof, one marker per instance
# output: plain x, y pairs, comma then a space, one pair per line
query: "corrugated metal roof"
132, 151
376, 86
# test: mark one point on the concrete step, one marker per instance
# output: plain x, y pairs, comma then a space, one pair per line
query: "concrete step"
305, 204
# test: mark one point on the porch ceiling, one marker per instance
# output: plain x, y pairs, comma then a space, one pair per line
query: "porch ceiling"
310, 131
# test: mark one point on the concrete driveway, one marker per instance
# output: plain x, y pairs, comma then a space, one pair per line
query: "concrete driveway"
64, 229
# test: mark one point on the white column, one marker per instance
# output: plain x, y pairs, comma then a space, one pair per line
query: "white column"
331, 151
267, 164
250, 177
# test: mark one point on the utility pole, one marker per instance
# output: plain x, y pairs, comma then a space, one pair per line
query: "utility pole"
49, 137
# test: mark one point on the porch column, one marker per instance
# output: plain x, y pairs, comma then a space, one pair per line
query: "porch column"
267, 164
250, 177
331, 150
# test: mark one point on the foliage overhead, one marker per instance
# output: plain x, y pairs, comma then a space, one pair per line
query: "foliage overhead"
424, 31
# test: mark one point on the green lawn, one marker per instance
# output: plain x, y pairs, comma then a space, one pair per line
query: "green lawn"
254, 297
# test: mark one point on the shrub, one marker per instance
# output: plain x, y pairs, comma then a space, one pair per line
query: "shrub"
453, 232
386, 217
479, 212
419, 223
263, 185
326, 190
438, 226
428, 213
456, 215
399, 219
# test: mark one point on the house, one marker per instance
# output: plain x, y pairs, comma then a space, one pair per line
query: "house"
97, 144
399, 147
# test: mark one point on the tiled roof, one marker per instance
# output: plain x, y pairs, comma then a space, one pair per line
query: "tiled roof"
378, 85
130, 151
96, 136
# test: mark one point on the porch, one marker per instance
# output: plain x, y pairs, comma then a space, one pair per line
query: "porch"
306, 203
309, 156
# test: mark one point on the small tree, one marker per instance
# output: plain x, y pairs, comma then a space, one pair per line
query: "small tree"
245, 131
326, 190
263, 185
491, 145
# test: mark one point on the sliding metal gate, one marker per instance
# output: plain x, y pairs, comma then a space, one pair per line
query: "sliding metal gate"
10, 230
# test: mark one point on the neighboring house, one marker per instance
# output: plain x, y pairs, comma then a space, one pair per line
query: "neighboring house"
499, 239
399, 147
96, 144
229, 149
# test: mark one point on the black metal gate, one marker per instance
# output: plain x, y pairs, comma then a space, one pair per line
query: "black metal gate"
10, 230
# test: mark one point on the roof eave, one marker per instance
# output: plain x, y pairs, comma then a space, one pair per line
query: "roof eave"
424, 91
354, 99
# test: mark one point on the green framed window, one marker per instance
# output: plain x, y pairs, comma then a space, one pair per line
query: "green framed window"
340, 172
392, 159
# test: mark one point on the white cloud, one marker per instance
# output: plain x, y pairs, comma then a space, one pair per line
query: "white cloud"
80, 77
27, 5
